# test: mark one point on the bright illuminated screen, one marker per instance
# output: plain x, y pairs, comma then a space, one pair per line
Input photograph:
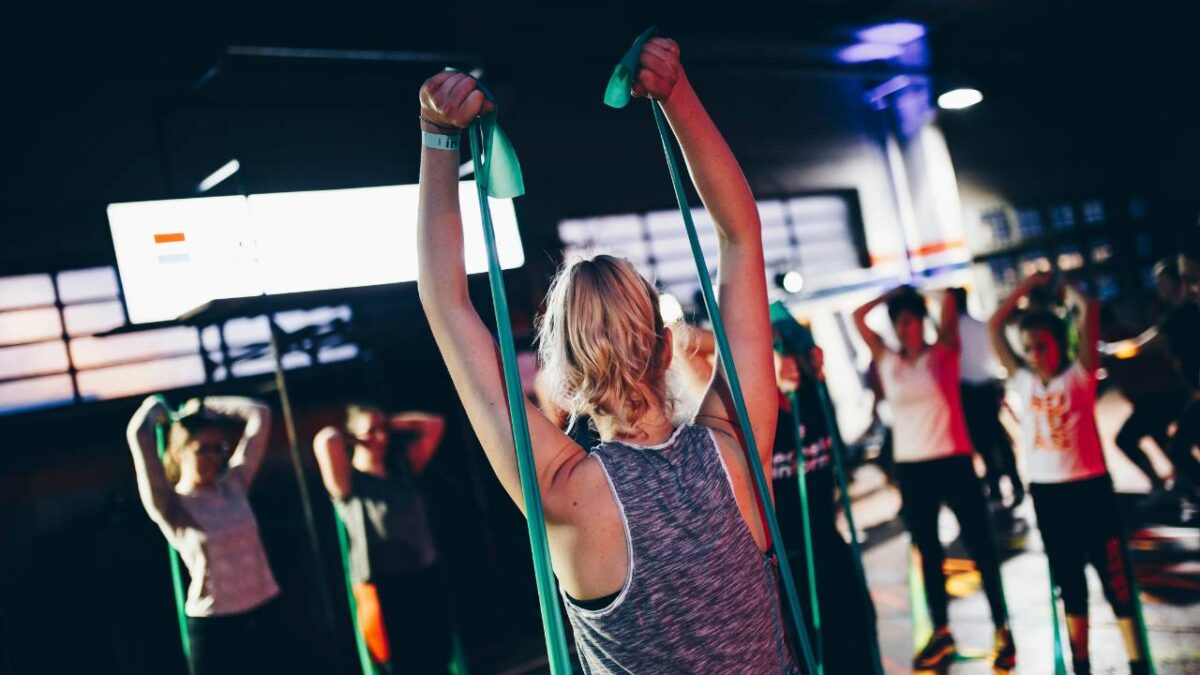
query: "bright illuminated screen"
177, 254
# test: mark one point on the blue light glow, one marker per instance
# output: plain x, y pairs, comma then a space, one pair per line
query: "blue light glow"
868, 51
895, 33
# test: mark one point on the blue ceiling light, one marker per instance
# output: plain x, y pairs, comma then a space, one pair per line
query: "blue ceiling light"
868, 51
894, 33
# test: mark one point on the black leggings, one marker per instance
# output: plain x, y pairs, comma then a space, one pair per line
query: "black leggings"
847, 615
1152, 416
1079, 525
237, 644
416, 614
924, 487
1186, 440
981, 407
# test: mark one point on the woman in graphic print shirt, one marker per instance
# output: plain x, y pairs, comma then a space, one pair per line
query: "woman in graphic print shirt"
1071, 488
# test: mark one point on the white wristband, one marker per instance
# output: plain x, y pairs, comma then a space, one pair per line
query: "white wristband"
439, 141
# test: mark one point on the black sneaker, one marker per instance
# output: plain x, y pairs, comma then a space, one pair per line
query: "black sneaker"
1004, 657
939, 650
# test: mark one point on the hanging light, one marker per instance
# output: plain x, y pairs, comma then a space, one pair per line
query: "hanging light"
957, 99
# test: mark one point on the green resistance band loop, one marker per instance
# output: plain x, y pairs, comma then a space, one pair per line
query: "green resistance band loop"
619, 91
364, 656
810, 562
185, 639
1060, 664
496, 164
556, 641
622, 76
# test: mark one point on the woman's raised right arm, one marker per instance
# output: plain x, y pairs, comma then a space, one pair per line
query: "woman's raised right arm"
874, 342
449, 102
158, 496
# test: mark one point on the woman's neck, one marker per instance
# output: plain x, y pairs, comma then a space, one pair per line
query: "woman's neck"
189, 483
368, 462
907, 354
651, 429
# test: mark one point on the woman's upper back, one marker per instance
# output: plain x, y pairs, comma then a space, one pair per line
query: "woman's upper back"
699, 595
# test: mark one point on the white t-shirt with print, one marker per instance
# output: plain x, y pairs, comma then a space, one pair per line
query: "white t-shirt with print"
927, 417
1058, 425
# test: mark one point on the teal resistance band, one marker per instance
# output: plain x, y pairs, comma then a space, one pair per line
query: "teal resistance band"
364, 656
1143, 636
498, 174
185, 639
918, 610
622, 81
810, 562
798, 340
1060, 664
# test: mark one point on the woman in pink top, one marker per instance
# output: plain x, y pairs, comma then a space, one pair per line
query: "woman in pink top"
934, 460
197, 495
1069, 482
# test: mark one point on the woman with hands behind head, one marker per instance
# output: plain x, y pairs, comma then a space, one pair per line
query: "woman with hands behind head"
369, 466
197, 495
1072, 492
934, 460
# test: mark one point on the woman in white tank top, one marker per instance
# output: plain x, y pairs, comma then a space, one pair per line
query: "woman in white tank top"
934, 460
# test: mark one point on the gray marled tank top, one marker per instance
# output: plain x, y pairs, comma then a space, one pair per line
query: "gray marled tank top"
700, 597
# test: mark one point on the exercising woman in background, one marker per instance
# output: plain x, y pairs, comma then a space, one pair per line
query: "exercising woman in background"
197, 496
369, 467
934, 460
1071, 489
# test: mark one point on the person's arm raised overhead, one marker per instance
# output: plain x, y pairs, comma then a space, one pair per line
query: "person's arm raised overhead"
873, 340
948, 323
742, 289
329, 447
1000, 344
428, 428
157, 494
1089, 326
450, 102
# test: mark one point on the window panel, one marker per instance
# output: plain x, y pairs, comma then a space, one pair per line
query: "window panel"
29, 325
141, 378
37, 359
339, 353
241, 332
94, 317
91, 352
302, 318
30, 290
38, 392
96, 283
